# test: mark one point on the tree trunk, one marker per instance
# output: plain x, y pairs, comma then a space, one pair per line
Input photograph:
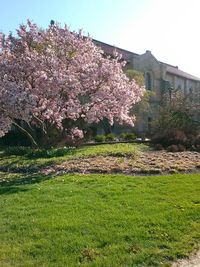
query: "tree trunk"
30, 137
106, 126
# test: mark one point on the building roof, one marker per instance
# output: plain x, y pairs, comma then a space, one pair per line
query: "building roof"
109, 49
177, 72
127, 55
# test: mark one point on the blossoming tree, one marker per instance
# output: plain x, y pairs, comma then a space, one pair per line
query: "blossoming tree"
53, 78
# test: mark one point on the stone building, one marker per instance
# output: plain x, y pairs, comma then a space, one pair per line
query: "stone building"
159, 77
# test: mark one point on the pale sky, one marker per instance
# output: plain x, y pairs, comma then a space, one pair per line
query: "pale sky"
169, 28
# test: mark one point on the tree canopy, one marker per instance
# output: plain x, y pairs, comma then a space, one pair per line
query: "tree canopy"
51, 77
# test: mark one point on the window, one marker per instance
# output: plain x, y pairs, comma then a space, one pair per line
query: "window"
191, 96
148, 81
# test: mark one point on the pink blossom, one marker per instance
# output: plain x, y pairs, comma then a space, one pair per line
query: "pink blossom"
77, 133
49, 76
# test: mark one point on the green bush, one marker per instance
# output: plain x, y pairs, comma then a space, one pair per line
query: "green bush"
39, 153
110, 137
122, 136
127, 136
14, 138
100, 138
17, 150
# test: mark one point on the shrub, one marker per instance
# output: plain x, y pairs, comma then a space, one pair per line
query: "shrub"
181, 148
160, 139
178, 137
159, 147
14, 138
198, 148
99, 138
170, 138
17, 150
127, 136
190, 141
38, 153
122, 136
110, 137
131, 136
182, 140
196, 143
173, 148
197, 140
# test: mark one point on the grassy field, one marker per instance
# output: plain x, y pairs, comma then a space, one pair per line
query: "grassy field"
98, 220
95, 219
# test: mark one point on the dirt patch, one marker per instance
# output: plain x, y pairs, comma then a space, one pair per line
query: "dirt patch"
193, 261
155, 162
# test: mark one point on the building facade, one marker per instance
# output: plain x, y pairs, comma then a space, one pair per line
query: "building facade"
159, 78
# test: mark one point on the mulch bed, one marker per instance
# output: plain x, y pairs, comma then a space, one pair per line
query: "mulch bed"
155, 162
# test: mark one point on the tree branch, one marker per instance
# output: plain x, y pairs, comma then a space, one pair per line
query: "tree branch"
41, 123
33, 142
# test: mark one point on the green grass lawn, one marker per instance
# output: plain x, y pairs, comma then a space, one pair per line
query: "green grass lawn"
98, 220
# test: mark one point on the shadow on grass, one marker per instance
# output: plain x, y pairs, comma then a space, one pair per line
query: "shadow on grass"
16, 166
29, 153
15, 184
7, 190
